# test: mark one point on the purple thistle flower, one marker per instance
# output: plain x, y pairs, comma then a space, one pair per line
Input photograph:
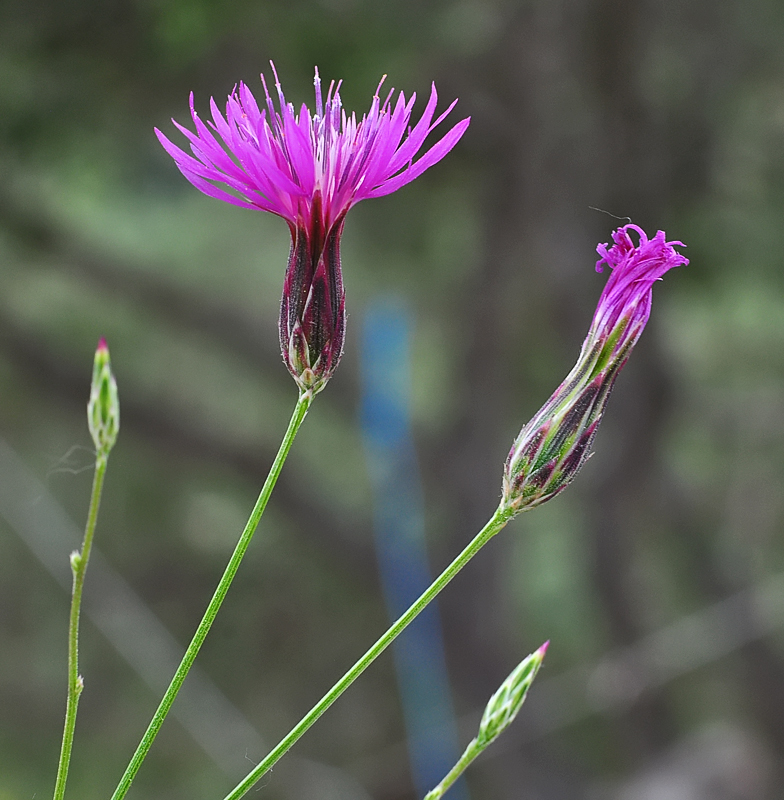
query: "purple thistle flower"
310, 168
552, 447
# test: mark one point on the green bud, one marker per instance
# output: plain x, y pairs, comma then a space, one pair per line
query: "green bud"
103, 409
505, 704
76, 560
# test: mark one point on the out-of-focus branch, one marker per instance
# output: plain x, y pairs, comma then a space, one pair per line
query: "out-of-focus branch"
253, 341
221, 730
765, 687
167, 430
622, 677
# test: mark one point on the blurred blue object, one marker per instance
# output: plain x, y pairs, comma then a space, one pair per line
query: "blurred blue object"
400, 545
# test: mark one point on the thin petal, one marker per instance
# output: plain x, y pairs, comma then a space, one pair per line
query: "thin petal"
434, 155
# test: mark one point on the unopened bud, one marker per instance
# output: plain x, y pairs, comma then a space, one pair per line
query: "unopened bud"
103, 409
506, 703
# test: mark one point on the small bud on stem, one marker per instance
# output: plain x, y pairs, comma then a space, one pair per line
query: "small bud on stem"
499, 714
103, 408
506, 703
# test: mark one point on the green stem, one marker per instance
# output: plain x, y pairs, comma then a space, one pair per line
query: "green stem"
79, 561
300, 410
471, 752
497, 521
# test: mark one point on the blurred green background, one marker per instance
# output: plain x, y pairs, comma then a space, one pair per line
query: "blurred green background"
656, 576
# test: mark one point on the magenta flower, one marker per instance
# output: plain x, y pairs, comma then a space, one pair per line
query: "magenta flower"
310, 168
552, 447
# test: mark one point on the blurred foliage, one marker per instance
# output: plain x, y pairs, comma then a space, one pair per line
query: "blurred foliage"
669, 112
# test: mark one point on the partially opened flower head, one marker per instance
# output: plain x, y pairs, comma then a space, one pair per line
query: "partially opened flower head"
310, 168
553, 446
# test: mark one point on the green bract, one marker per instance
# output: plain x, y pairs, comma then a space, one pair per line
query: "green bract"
103, 408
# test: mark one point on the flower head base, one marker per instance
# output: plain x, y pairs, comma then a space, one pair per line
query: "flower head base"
310, 168
552, 447
103, 408
312, 320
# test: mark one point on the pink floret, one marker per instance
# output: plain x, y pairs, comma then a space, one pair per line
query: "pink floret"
308, 164
635, 268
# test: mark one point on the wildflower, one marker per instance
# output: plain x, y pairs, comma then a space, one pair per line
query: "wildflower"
310, 168
553, 446
103, 408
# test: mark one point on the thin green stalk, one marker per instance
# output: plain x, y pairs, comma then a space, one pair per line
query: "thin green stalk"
300, 410
79, 561
497, 521
471, 752
499, 714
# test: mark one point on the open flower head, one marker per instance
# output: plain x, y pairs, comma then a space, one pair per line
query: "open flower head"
310, 168
552, 447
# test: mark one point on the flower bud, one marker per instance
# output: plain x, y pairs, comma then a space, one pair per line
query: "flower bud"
506, 703
103, 408
552, 447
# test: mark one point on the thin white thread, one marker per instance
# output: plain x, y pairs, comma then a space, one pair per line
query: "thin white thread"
614, 216
61, 464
